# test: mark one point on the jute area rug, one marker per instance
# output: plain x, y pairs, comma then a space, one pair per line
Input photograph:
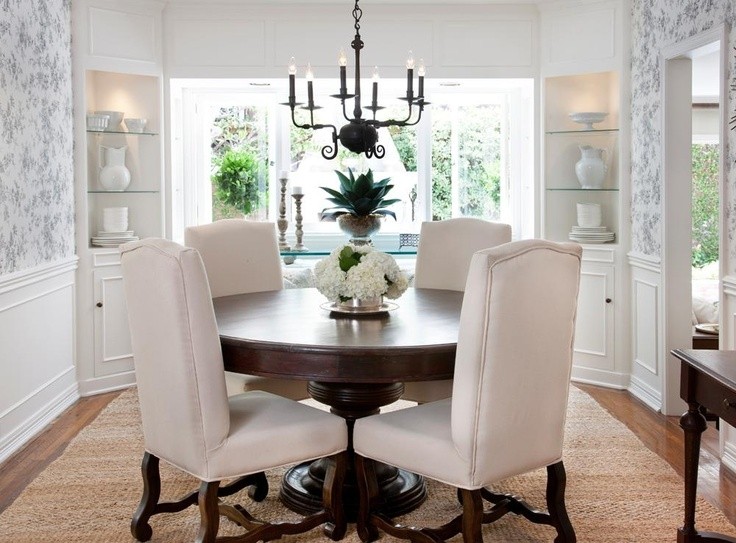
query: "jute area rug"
617, 490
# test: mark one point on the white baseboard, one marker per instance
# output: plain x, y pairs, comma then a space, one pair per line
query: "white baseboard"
110, 383
647, 394
15, 440
603, 378
728, 458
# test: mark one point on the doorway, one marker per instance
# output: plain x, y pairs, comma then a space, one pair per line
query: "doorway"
678, 64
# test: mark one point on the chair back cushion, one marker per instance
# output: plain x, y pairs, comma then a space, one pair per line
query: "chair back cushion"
514, 357
240, 256
176, 348
446, 248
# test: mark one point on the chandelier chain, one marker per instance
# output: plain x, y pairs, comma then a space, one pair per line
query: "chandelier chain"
357, 14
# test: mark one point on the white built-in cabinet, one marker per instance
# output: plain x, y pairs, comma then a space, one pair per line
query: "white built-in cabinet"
117, 67
587, 72
113, 352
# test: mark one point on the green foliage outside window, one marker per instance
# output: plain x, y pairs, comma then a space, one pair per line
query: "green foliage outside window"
705, 204
405, 139
239, 162
479, 161
237, 181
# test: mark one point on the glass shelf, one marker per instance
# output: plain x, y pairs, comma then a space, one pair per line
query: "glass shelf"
125, 132
595, 130
580, 189
123, 192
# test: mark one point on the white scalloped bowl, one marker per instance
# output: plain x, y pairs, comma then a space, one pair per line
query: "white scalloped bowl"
588, 118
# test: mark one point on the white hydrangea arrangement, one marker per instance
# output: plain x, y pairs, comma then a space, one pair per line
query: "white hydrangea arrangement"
359, 272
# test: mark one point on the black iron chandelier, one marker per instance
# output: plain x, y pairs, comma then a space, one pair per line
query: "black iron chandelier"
359, 135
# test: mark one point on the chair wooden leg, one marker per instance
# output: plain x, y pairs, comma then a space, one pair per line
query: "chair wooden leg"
139, 526
556, 482
368, 488
337, 525
209, 512
472, 515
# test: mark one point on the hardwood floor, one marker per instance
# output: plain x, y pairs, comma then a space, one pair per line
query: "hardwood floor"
659, 433
21, 468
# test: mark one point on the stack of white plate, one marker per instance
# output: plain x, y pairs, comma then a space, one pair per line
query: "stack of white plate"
113, 239
591, 234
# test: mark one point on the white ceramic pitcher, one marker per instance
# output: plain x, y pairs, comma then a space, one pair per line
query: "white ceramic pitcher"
591, 168
114, 176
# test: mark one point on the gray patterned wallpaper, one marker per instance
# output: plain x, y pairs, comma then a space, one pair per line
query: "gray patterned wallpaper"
36, 168
657, 23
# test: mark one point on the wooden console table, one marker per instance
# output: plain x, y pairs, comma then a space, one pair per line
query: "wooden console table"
707, 379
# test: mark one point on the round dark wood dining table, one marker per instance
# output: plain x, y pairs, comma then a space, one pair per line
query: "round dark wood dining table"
354, 364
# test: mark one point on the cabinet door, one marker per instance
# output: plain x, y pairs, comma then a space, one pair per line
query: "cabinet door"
594, 329
113, 351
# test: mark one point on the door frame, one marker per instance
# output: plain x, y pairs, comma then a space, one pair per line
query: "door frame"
676, 300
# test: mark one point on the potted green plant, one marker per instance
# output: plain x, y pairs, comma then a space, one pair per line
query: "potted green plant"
360, 204
236, 181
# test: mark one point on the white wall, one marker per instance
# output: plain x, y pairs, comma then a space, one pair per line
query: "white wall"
458, 40
37, 262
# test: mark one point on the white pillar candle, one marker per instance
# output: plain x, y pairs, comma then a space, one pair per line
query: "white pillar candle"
284, 175
296, 190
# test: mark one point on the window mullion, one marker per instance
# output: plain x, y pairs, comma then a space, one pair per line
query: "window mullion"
455, 161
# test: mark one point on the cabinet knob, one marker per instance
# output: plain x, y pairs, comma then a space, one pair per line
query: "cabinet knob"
608, 300
727, 404
99, 304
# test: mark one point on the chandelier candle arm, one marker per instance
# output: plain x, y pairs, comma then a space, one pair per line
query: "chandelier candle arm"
292, 83
310, 88
410, 77
420, 72
343, 60
375, 91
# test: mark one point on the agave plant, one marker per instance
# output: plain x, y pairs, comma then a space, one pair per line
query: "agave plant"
359, 196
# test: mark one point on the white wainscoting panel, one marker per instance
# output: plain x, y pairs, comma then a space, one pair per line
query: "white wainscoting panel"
219, 42
728, 313
121, 35
458, 40
585, 35
727, 434
488, 43
37, 350
646, 330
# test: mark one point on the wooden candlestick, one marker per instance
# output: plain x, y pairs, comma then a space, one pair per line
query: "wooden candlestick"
298, 220
282, 223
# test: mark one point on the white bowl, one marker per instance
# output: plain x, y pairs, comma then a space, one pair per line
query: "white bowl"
589, 215
97, 122
136, 125
588, 118
116, 117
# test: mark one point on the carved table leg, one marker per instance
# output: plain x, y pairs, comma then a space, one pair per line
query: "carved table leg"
402, 491
693, 424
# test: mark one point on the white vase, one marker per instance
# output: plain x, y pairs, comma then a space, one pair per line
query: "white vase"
114, 176
591, 169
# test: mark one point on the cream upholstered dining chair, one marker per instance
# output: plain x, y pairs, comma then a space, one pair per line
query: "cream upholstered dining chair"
240, 257
509, 401
188, 419
443, 258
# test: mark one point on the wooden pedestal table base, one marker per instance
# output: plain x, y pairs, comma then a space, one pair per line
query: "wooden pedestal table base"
402, 491
354, 364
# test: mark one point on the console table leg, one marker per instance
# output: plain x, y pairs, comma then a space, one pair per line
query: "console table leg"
693, 424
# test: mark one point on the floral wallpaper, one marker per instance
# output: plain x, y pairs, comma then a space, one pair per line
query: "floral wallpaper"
657, 23
36, 145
